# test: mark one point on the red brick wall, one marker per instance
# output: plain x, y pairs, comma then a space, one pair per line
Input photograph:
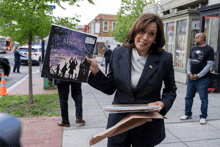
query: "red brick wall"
100, 19
101, 49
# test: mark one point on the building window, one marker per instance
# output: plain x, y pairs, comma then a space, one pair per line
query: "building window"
170, 37
88, 29
97, 27
113, 26
181, 43
194, 30
105, 26
211, 31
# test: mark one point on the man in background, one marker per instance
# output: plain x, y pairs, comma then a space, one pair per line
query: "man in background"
76, 94
107, 56
17, 60
198, 68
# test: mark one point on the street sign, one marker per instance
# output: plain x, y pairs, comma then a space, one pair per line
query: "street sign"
52, 7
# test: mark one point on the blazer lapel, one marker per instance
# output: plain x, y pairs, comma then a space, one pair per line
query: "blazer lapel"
125, 66
150, 68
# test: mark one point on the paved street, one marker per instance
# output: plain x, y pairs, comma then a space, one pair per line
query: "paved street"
179, 133
15, 77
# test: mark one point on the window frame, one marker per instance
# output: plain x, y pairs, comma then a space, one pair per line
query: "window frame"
104, 26
114, 22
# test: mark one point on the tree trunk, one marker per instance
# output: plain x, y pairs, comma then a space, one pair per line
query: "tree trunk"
30, 100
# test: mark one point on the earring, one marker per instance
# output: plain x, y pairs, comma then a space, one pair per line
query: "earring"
154, 42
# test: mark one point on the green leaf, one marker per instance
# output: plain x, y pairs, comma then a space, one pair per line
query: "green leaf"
129, 11
91, 2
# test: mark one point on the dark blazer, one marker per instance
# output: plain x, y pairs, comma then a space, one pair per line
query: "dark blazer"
107, 55
147, 90
17, 56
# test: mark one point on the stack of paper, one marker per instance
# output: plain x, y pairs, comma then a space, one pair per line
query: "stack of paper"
131, 108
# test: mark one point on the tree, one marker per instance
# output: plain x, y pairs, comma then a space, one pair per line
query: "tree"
25, 19
129, 12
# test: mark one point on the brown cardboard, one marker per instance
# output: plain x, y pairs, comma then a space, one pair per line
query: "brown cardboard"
129, 122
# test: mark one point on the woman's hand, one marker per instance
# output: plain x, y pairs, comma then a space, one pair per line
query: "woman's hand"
157, 103
94, 68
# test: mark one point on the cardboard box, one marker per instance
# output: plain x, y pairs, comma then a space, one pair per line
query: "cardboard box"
129, 122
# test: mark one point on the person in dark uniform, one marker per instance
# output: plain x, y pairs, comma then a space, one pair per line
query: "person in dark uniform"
107, 56
76, 94
17, 60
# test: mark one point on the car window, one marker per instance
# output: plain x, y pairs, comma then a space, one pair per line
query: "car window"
26, 50
23, 49
35, 50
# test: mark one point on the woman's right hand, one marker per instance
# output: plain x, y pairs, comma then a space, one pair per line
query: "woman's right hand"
94, 68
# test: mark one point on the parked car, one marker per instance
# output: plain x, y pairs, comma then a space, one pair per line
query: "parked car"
2, 46
36, 54
4, 66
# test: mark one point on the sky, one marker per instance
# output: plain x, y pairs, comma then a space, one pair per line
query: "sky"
88, 11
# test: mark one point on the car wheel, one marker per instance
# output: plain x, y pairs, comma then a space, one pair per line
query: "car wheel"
1, 71
39, 61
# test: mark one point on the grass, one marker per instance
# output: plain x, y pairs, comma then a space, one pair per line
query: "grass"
44, 105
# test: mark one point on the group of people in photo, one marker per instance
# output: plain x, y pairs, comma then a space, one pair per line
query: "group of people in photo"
70, 67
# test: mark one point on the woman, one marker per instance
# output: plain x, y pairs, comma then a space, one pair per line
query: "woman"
136, 73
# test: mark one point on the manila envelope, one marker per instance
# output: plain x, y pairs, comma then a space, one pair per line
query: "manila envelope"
129, 122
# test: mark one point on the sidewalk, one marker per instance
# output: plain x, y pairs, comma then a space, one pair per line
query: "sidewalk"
37, 131
189, 133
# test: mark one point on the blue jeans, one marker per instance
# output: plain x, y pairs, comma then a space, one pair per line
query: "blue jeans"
201, 86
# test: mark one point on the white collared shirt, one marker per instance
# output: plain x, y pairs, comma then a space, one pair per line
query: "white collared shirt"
137, 66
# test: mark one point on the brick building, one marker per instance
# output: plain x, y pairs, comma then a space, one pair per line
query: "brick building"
80, 28
102, 25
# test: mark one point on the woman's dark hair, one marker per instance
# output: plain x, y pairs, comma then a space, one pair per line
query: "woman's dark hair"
141, 23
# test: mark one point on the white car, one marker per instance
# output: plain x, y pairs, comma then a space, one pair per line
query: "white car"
36, 54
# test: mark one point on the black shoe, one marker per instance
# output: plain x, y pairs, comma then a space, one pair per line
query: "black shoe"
18, 72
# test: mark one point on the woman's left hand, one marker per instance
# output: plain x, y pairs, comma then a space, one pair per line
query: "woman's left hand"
157, 103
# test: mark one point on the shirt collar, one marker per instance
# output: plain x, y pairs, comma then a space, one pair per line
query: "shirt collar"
136, 56
202, 46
